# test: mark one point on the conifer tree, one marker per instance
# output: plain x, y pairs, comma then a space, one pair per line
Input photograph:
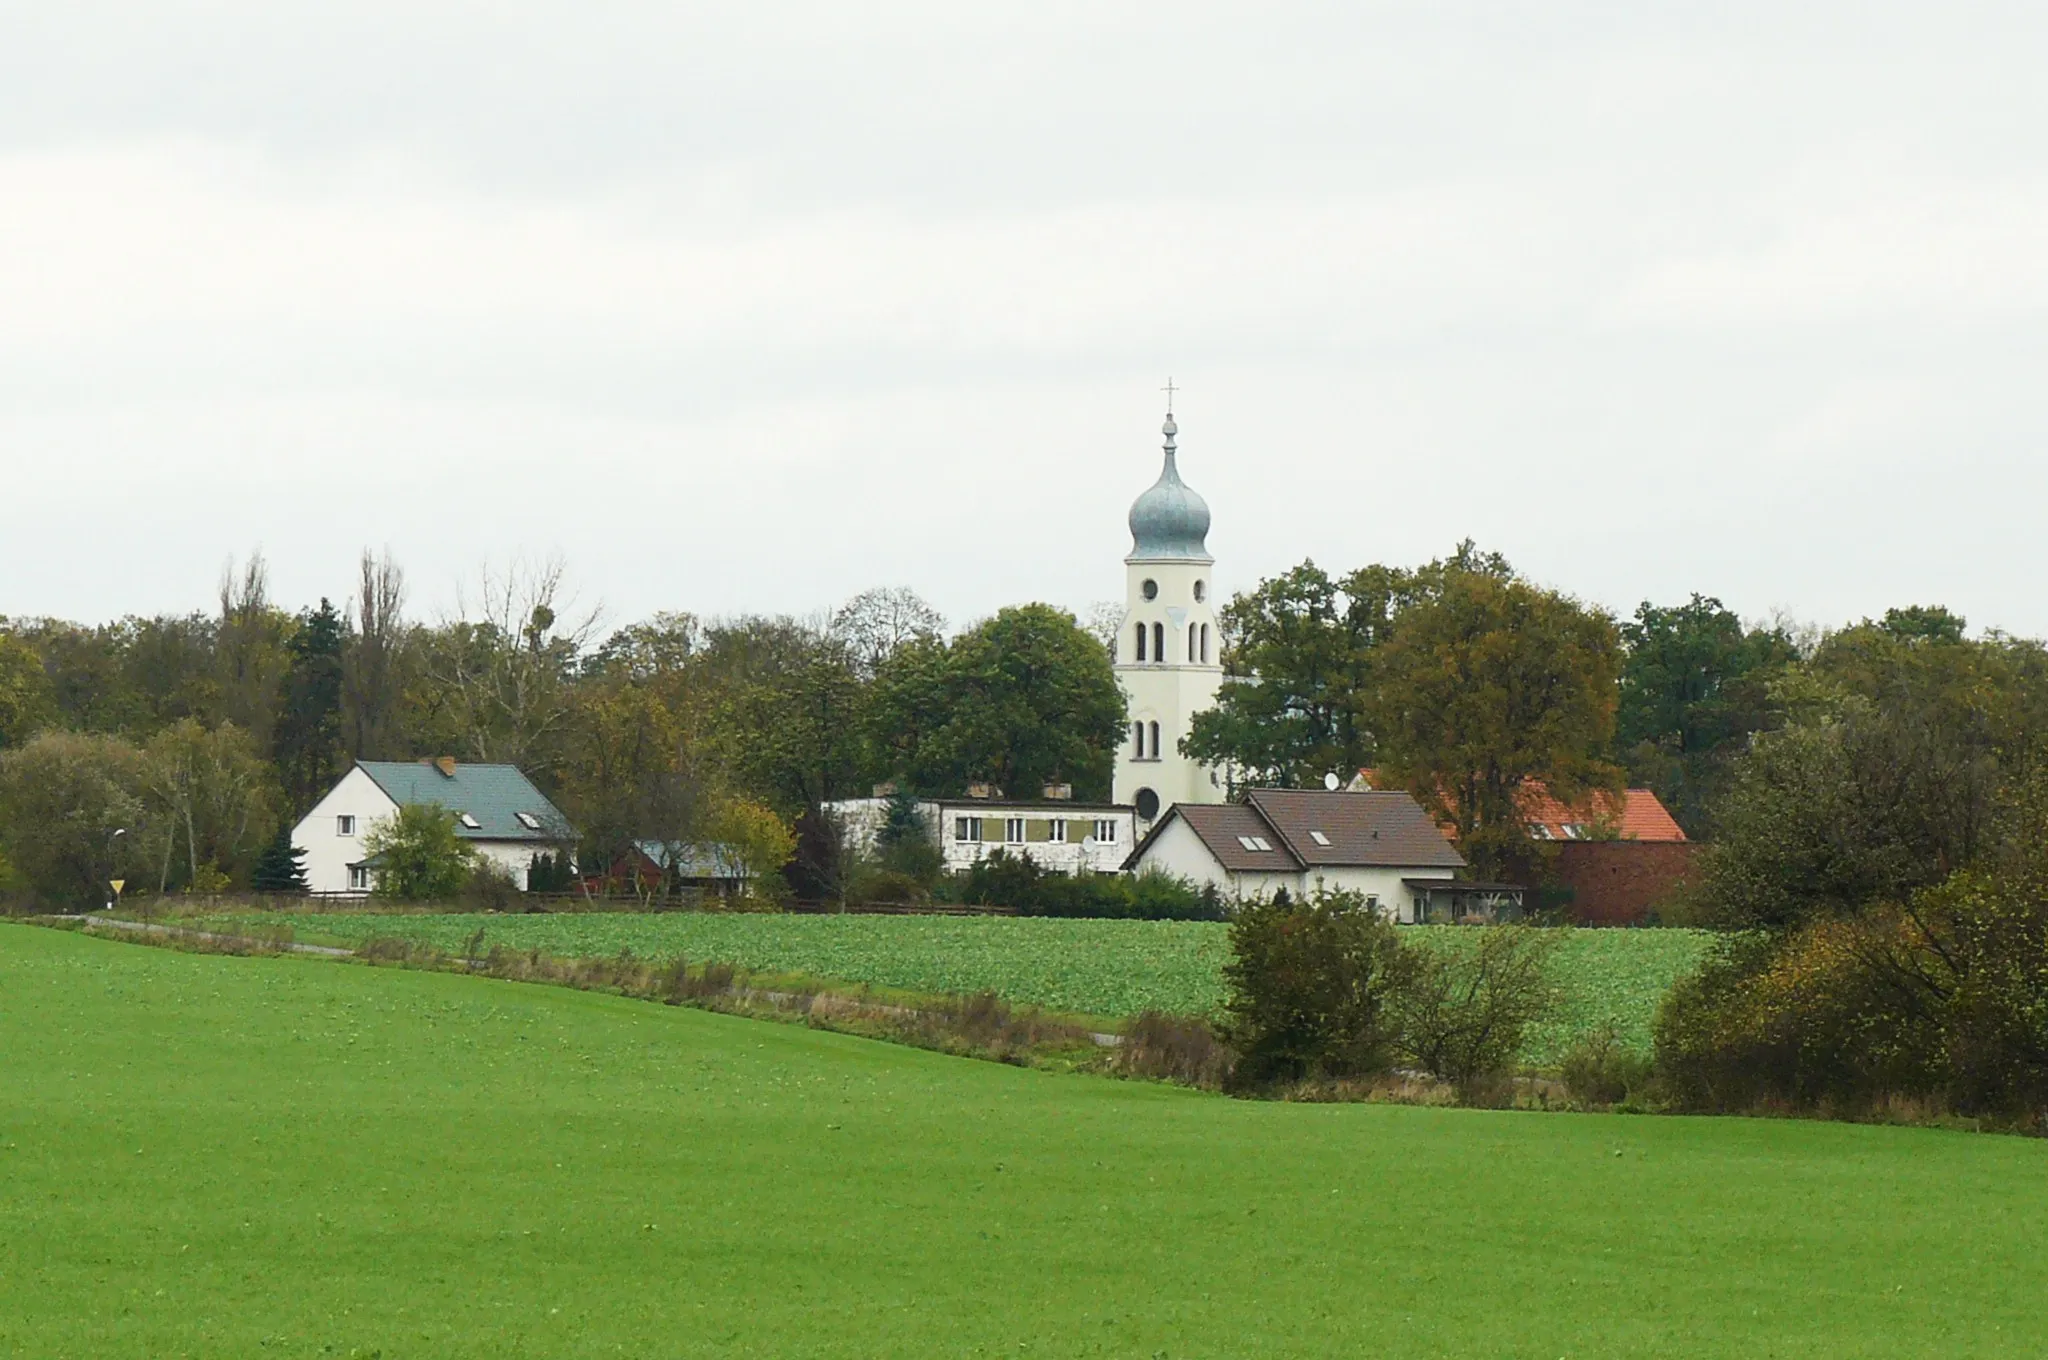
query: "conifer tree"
281, 867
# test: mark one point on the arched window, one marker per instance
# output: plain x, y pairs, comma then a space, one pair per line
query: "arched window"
1205, 644
1159, 642
1141, 642
1138, 734
1191, 642
1155, 741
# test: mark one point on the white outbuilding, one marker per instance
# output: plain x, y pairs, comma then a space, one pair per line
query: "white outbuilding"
498, 813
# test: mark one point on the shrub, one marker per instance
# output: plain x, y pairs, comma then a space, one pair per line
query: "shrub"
1313, 990
1601, 1071
420, 858
1019, 883
489, 887
1462, 1013
1180, 1048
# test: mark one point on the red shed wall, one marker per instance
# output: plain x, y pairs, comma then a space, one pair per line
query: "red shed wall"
1619, 883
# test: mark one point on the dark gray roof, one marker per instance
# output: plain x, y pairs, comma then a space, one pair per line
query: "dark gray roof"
494, 795
1365, 830
1371, 829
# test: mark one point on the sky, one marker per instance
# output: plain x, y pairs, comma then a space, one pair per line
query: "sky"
748, 307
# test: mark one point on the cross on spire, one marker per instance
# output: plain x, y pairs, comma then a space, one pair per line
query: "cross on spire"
1169, 390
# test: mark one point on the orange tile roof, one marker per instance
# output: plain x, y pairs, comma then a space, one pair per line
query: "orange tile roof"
1639, 816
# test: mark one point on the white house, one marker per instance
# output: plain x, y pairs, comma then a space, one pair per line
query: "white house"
1169, 649
498, 811
1380, 844
1055, 833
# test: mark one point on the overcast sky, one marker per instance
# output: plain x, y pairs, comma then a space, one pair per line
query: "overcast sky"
747, 307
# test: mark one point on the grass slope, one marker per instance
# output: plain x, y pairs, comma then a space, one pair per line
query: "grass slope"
287, 1157
1106, 968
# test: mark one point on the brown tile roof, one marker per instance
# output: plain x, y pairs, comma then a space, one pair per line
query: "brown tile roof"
1219, 826
1365, 829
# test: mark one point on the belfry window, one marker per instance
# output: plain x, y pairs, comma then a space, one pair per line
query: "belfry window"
1191, 642
1138, 735
1205, 644
1155, 741
1142, 631
1159, 642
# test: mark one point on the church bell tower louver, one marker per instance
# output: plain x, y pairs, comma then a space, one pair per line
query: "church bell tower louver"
1168, 652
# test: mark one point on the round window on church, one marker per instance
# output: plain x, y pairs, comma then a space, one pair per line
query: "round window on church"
1201, 589
1150, 590
1148, 804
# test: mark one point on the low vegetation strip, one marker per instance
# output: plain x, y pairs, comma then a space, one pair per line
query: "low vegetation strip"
1111, 969
279, 1156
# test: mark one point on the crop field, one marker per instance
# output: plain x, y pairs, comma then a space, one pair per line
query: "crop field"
1103, 968
289, 1157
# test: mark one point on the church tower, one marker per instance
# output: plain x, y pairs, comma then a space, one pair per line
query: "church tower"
1168, 653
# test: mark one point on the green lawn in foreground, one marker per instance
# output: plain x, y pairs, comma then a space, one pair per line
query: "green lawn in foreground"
290, 1157
1108, 968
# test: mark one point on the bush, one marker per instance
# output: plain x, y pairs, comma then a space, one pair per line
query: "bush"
1180, 1048
1019, 883
489, 887
420, 858
1313, 990
1601, 1071
1463, 1013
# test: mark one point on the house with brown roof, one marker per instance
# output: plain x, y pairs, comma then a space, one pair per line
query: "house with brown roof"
1610, 859
1379, 844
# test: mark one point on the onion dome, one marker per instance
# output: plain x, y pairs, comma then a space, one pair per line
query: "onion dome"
1170, 521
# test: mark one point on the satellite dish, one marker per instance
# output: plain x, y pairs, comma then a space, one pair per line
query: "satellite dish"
1330, 781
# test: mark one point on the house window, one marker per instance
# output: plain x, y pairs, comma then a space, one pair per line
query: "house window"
469, 823
358, 878
1013, 831
528, 820
1105, 830
1142, 633
344, 826
967, 830
1057, 830
1319, 838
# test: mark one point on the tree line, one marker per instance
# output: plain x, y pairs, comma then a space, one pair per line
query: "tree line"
173, 750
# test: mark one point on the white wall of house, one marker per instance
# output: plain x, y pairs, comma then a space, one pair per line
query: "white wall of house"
515, 857
1379, 885
1096, 840
989, 825
332, 833
1178, 850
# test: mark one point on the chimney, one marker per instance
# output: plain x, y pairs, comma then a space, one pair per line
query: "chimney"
886, 789
977, 790
1058, 792
446, 765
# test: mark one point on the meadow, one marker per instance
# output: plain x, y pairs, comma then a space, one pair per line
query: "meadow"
291, 1157
1108, 969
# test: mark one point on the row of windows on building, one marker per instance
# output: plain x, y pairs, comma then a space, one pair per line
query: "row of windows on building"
968, 830
1152, 642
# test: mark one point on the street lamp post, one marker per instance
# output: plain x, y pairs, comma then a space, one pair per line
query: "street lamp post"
113, 836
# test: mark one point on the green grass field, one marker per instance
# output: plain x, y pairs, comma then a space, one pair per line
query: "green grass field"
1102, 968
213, 1156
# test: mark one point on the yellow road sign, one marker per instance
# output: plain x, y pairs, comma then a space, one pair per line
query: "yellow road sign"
119, 884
